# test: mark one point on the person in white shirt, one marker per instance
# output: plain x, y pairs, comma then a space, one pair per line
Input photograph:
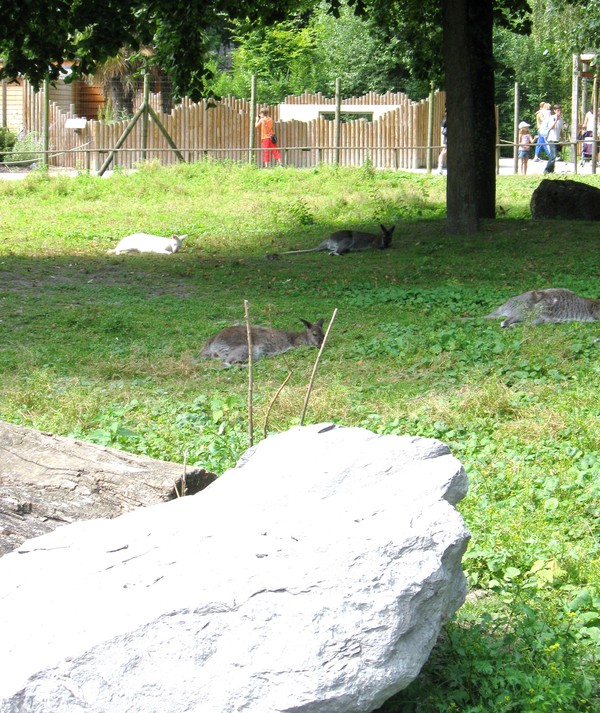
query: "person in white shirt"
588, 123
555, 130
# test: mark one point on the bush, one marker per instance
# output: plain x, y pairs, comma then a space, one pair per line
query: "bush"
27, 149
7, 141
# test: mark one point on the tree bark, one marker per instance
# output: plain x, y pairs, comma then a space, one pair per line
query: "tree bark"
47, 481
471, 159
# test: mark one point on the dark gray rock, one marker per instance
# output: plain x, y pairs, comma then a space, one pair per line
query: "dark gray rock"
560, 199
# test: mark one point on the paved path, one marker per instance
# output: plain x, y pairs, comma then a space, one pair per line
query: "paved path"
506, 169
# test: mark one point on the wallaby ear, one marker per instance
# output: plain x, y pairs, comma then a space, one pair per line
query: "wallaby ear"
320, 323
308, 325
183, 237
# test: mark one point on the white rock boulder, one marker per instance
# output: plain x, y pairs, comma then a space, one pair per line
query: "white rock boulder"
314, 577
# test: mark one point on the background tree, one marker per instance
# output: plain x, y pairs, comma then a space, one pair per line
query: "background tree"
281, 56
119, 77
122, 76
541, 62
467, 49
41, 37
307, 54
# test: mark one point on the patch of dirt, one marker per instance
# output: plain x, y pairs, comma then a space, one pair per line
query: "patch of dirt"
43, 277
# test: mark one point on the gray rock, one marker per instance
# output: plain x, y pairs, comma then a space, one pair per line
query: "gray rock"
565, 200
314, 577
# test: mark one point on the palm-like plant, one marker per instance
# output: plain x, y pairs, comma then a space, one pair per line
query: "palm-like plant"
121, 77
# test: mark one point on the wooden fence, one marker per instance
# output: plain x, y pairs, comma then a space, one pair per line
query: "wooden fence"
220, 130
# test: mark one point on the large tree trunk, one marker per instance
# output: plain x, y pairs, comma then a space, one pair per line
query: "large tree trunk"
47, 481
471, 160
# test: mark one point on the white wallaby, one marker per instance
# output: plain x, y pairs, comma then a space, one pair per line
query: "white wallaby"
550, 305
349, 241
147, 243
230, 345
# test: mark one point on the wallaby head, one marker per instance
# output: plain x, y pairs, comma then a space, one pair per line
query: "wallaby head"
230, 345
314, 332
176, 241
348, 241
386, 236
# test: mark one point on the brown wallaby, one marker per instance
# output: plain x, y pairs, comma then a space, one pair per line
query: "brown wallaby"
230, 345
550, 305
349, 241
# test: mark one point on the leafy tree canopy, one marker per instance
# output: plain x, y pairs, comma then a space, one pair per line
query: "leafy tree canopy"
42, 36
399, 40
412, 31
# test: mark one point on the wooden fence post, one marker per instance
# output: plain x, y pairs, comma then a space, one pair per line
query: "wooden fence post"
252, 130
595, 129
4, 100
429, 157
145, 115
46, 123
516, 131
575, 110
338, 119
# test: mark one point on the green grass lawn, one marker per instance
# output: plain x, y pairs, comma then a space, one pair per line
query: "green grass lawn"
101, 348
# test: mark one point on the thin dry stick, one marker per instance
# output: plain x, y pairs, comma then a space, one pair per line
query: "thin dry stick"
250, 382
279, 390
314, 371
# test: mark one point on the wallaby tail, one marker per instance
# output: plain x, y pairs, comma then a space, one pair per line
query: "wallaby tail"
308, 250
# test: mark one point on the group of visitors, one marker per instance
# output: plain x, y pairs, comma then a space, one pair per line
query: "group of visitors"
550, 127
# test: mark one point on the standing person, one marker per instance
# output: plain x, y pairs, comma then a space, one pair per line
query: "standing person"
542, 117
555, 126
267, 134
525, 141
588, 123
587, 132
444, 151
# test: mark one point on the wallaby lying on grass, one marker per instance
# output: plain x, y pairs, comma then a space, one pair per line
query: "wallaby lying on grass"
230, 345
550, 305
349, 241
147, 243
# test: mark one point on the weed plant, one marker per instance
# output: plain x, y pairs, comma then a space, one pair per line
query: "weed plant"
100, 347
7, 140
26, 150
